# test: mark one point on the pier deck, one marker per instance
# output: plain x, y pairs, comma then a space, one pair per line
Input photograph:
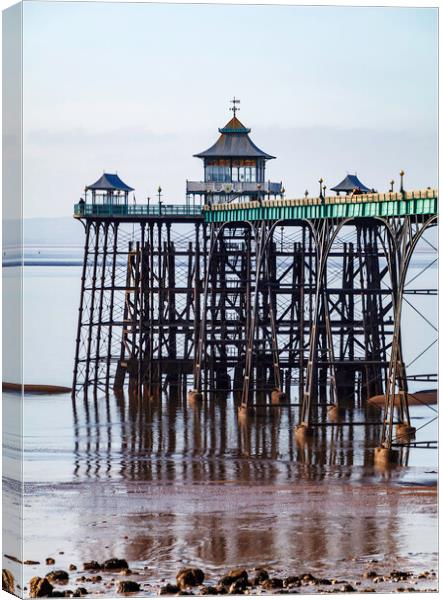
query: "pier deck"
422, 202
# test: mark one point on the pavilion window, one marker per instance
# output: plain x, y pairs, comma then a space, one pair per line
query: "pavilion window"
218, 171
244, 170
247, 174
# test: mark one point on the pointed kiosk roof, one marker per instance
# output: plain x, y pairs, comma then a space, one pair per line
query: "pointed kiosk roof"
108, 181
234, 142
350, 183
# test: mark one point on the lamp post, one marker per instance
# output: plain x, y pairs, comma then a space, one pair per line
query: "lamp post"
306, 193
259, 188
148, 204
159, 194
401, 189
321, 181
392, 183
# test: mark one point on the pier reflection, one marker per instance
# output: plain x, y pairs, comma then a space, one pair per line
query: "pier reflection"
162, 437
181, 484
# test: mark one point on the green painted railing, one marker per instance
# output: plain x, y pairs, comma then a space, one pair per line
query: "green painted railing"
424, 202
136, 210
277, 210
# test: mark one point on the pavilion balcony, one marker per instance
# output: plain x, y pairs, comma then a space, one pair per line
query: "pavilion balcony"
237, 187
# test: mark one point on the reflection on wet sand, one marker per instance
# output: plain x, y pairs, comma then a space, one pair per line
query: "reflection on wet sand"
166, 484
157, 437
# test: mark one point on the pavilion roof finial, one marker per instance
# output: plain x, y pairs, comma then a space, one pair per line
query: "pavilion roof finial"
234, 108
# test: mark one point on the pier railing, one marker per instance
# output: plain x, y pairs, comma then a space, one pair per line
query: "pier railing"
235, 187
422, 202
136, 210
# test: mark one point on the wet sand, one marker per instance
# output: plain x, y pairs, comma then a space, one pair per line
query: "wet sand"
166, 486
331, 529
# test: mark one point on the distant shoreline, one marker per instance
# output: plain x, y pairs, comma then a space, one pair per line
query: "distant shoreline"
43, 263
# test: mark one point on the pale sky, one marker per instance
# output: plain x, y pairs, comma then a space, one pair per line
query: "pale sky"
138, 89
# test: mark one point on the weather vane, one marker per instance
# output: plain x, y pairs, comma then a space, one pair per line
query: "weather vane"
234, 108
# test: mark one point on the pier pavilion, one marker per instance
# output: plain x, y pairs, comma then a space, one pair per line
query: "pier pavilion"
234, 169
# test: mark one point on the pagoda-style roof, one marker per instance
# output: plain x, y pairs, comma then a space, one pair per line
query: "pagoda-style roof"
350, 183
234, 142
110, 182
234, 126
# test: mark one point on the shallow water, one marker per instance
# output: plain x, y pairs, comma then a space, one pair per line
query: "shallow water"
165, 485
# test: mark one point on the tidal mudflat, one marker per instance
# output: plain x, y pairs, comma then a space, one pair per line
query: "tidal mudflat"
166, 487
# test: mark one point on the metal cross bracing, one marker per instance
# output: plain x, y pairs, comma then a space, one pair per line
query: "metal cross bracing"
136, 315
350, 334
250, 307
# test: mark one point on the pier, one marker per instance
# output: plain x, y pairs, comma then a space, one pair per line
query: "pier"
241, 290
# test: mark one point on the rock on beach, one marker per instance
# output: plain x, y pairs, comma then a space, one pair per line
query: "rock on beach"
8, 581
123, 587
40, 587
189, 577
114, 564
57, 576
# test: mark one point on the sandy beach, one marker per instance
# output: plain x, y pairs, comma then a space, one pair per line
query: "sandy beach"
330, 529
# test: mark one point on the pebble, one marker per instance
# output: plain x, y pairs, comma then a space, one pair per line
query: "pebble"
114, 564
123, 587
400, 575
273, 583
57, 576
347, 588
168, 589
92, 565
82, 591
189, 577
50, 561
292, 581
208, 590
237, 574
